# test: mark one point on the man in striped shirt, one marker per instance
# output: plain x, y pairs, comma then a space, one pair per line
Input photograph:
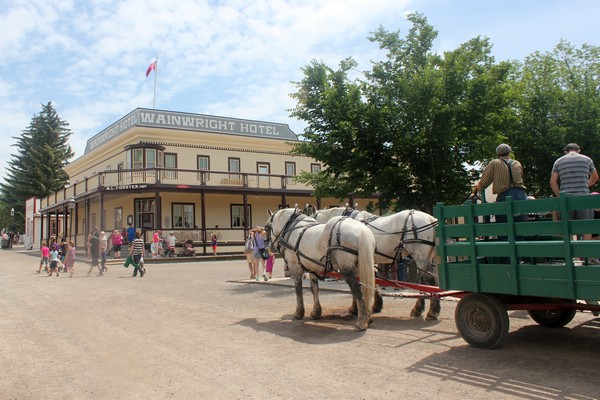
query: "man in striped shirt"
577, 174
137, 252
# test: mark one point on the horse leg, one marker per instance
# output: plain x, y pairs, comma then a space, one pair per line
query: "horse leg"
364, 319
434, 309
299, 313
418, 309
314, 288
352, 311
378, 303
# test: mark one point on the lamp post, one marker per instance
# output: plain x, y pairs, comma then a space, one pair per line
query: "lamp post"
71, 207
11, 233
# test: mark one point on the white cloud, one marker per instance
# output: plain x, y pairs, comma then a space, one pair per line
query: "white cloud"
232, 58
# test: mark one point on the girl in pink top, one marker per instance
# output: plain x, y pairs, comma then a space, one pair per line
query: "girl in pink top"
45, 252
270, 263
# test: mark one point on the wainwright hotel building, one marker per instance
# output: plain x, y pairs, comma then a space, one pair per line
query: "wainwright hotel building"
188, 173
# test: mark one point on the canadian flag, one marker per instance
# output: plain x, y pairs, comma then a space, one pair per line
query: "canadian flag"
150, 68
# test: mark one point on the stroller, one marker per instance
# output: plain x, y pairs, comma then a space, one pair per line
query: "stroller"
188, 249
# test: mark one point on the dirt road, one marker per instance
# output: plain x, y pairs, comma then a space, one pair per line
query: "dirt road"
191, 331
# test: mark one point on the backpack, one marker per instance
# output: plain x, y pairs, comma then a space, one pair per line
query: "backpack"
249, 246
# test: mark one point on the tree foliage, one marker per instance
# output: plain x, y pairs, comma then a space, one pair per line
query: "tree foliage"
37, 167
410, 129
557, 101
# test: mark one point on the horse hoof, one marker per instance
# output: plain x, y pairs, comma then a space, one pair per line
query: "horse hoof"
431, 317
315, 316
359, 329
297, 318
376, 310
415, 314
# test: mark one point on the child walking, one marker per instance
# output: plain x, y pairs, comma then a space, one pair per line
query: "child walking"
53, 262
70, 258
45, 255
270, 263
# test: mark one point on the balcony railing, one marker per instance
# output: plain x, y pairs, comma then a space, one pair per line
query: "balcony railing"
181, 178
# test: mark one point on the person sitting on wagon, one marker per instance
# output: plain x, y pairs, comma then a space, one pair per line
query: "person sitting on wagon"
506, 175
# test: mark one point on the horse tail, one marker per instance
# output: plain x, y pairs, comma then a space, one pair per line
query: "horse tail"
366, 265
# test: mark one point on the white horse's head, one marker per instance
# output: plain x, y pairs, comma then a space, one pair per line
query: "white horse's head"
277, 221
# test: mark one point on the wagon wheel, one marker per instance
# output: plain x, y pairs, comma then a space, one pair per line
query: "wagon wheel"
553, 318
481, 320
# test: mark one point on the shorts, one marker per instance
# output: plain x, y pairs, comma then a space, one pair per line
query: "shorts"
53, 264
581, 214
44, 260
250, 258
116, 247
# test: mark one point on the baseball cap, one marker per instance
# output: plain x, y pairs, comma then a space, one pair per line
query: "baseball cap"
503, 149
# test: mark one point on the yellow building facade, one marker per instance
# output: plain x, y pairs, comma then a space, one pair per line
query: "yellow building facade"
192, 174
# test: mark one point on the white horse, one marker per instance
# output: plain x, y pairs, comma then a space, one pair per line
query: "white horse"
342, 244
406, 232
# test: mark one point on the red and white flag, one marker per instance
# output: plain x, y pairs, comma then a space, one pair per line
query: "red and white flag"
150, 68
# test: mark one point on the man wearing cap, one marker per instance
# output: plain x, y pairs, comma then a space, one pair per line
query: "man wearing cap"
506, 175
577, 174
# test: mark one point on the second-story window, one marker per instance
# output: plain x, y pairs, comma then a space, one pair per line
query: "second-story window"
171, 163
234, 166
290, 170
203, 164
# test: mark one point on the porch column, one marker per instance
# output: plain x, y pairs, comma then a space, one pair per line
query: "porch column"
101, 211
157, 210
246, 215
203, 221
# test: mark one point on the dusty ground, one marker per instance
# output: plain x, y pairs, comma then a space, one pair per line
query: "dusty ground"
190, 331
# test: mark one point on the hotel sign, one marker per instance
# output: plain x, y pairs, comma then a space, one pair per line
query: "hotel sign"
142, 117
127, 187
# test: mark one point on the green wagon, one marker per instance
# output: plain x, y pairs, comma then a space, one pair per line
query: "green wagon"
537, 265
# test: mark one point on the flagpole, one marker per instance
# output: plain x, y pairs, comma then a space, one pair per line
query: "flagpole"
155, 74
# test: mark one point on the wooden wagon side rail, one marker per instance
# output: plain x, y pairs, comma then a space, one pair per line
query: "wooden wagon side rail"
534, 258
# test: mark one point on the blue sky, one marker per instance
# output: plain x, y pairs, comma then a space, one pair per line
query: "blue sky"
230, 58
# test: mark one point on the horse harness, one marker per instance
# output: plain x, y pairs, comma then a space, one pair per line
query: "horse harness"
284, 244
415, 230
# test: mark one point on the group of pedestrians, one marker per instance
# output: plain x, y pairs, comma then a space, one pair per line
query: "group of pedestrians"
260, 259
56, 257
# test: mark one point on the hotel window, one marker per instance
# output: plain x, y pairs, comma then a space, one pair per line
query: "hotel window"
171, 163
146, 155
203, 164
263, 169
138, 158
183, 215
120, 173
314, 168
290, 170
237, 215
234, 166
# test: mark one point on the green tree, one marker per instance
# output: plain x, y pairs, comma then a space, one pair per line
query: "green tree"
37, 167
410, 130
557, 99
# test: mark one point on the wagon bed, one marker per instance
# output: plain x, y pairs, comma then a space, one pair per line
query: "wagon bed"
535, 265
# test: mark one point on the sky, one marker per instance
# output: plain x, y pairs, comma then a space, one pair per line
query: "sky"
231, 58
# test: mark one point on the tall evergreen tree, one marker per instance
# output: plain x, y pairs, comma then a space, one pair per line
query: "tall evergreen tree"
37, 167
